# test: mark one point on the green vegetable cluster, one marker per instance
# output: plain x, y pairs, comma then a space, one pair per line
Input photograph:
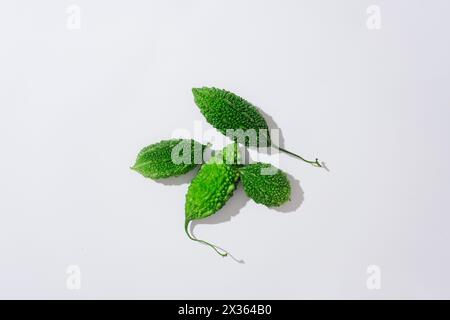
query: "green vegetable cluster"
218, 177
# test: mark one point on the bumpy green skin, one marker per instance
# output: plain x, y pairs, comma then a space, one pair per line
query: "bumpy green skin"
225, 110
155, 161
270, 190
210, 189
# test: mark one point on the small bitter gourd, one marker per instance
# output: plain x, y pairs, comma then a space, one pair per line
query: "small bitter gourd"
169, 158
210, 190
265, 184
227, 111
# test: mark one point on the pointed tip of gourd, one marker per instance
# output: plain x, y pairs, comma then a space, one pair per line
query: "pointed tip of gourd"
136, 169
199, 91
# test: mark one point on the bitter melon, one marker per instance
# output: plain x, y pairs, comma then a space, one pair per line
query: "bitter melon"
169, 158
265, 184
210, 190
237, 118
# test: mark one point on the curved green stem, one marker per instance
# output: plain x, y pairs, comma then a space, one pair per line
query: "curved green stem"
314, 163
216, 249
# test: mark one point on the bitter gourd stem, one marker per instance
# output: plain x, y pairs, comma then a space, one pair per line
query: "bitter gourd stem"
314, 163
186, 224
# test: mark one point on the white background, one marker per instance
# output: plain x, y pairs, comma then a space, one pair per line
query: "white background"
77, 105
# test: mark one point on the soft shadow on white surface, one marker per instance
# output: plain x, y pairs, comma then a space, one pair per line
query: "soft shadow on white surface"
231, 209
240, 199
324, 165
273, 125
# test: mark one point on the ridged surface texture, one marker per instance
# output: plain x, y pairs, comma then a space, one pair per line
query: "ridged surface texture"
155, 161
210, 189
225, 110
265, 184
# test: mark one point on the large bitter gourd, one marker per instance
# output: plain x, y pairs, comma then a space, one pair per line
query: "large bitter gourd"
237, 118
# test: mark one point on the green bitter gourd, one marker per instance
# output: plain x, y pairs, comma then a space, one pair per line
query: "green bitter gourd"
226, 111
169, 158
265, 184
211, 188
